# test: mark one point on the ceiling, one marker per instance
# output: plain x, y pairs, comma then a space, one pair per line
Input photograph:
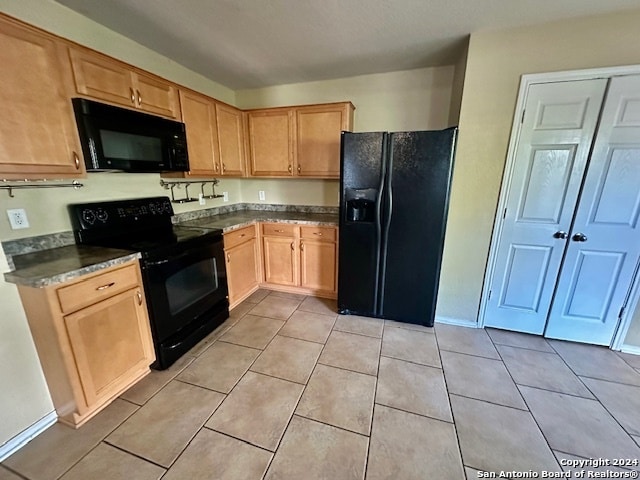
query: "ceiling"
257, 43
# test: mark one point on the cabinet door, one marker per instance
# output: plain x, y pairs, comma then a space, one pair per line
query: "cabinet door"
111, 344
270, 140
198, 114
242, 269
318, 265
154, 95
230, 131
318, 139
103, 78
280, 264
38, 136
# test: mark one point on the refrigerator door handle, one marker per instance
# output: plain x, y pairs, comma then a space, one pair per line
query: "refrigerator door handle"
383, 175
387, 224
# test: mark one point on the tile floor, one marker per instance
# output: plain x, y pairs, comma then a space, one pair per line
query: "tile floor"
287, 389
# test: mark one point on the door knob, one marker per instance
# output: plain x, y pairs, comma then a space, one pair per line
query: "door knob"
560, 234
579, 237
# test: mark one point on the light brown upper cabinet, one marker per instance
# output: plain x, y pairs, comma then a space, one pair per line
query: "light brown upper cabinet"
38, 136
271, 142
104, 78
298, 141
198, 115
231, 138
317, 145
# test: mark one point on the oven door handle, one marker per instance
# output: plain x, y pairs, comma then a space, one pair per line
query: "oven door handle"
167, 260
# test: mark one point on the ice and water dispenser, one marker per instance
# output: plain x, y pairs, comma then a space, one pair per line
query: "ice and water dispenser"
360, 204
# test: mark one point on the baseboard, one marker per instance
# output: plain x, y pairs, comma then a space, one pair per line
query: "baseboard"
20, 440
456, 321
632, 349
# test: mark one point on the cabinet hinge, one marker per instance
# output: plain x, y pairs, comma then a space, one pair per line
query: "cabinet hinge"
489, 296
621, 313
504, 213
522, 119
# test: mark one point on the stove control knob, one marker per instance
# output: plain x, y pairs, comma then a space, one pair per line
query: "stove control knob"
102, 215
152, 208
88, 216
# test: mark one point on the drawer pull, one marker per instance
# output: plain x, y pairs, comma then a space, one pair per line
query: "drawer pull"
279, 231
139, 297
243, 235
318, 233
76, 160
292, 246
105, 286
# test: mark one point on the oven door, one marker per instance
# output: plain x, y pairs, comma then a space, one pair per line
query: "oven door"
184, 289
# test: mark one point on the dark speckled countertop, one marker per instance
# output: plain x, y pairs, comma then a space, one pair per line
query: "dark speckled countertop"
232, 221
57, 265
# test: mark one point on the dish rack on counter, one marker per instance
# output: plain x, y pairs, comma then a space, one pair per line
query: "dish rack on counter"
172, 185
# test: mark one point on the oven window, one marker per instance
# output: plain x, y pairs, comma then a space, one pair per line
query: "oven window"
126, 146
192, 283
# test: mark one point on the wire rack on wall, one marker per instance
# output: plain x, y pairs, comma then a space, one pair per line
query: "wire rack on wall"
179, 184
12, 185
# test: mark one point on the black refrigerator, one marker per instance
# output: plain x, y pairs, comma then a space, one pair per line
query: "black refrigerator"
393, 212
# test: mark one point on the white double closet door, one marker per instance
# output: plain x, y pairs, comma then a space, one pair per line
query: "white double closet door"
569, 240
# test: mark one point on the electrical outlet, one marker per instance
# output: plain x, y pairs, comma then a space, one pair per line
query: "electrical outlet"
225, 196
18, 218
201, 199
261, 195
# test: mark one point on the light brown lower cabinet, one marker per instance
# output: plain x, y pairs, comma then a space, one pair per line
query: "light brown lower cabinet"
93, 338
243, 263
300, 259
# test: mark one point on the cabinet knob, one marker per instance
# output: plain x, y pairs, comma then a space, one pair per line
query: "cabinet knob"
301, 246
216, 166
224, 167
76, 160
561, 235
293, 247
290, 169
298, 168
133, 96
139, 97
139, 297
228, 258
579, 237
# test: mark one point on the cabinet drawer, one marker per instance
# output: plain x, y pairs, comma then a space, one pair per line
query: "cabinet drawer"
318, 233
239, 236
97, 288
278, 229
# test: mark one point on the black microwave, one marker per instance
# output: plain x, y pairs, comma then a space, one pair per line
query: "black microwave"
115, 138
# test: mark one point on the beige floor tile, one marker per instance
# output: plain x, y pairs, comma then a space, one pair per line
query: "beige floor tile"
240, 310
410, 345
409, 326
257, 410
146, 388
632, 360
410, 447
622, 401
257, 296
567, 460
473, 474
314, 327
324, 306
371, 327
288, 358
480, 378
213, 455
517, 339
220, 367
542, 370
472, 341
252, 331
352, 352
207, 341
340, 398
6, 474
294, 296
163, 427
494, 438
578, 425
312, 450
415, 388
596, 362
279, 308
105, 461
58, 448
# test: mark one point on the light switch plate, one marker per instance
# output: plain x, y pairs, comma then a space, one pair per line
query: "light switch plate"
18, 218
261, 195
225, 196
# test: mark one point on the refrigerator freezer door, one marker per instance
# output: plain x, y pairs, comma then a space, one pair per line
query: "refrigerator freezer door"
413, 234
359, 252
